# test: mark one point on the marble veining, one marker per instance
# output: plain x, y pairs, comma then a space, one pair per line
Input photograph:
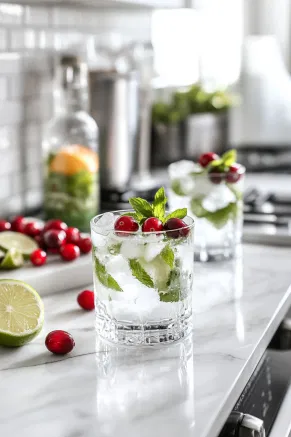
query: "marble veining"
187, 389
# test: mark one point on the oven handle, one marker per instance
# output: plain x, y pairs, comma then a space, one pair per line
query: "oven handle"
282, 424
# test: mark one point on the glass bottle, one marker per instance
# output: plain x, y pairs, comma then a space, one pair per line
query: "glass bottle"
71, 185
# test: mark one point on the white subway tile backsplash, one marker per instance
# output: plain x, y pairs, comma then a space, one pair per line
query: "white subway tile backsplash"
10, 63
11, 14
3, 88
11, 113
37, 16
29, 38
5, 184
10, 162
22, 39
3, 39
4, 139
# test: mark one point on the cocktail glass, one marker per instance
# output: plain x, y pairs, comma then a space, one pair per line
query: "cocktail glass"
142, 282
215, 204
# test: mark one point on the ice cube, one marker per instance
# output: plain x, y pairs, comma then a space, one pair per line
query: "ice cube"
202, 185
132, 249
118, 264
106, 221
152, 250
220, 197
98, 240
182, 168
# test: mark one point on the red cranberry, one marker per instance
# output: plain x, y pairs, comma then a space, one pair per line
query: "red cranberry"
73, 235
54, 238
59, 342
85, 245
4, 226
33, 229
176, 228
18, 224
125, 223
206, 158
152, 224
86, 300
215, 176
40, 241
69, 252
234, 173
55, 224
38, 257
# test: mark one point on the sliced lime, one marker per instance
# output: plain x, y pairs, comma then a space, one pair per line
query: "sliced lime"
12, 260
21, 313
15, 240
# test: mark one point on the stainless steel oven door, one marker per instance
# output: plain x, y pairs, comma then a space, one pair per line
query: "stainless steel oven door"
282, 424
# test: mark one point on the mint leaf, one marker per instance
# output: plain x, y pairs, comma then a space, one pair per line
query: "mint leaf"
217, 218
140, 274
178, 213
168, 256
159, 204
176, 187
215, 163
114, 249
229, 157
141, 206
134, 215
105, 278
172, 296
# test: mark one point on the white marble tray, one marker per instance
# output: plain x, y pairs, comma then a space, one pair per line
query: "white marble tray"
56, 275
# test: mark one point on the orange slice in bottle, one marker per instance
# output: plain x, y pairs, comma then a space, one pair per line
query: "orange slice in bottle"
73, 159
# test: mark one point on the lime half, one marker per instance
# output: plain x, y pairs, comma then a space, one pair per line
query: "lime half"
15, 240
12, 260
21, 313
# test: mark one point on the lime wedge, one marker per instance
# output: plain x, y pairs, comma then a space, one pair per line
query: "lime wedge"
15, 240
21, 313
12, 260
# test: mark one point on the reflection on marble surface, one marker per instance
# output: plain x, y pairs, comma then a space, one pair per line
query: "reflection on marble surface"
143, 383
224, 284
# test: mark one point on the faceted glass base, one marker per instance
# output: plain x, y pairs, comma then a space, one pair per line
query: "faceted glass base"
164, 332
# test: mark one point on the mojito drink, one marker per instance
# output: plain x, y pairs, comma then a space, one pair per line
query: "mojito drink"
143, 272
212, 190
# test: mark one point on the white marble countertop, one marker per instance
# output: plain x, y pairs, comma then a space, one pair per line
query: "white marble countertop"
187, 389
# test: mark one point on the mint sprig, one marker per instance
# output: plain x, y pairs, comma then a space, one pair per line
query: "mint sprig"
141, 206
217, 218
139, 273
104, 277
143, 209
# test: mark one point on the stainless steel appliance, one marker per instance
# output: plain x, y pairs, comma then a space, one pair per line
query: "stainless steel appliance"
114, 106
263, 408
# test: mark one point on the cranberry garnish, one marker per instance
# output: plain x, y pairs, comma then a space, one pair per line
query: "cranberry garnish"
176, 228
4, 226
85, 245
215, 176
38, 257
69, 252
54, 238
18, 224
73, 235
59, 342
40, 241
152, 224
55, 224
234, 173
86, 300
33, 229
206, 158
125, 223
